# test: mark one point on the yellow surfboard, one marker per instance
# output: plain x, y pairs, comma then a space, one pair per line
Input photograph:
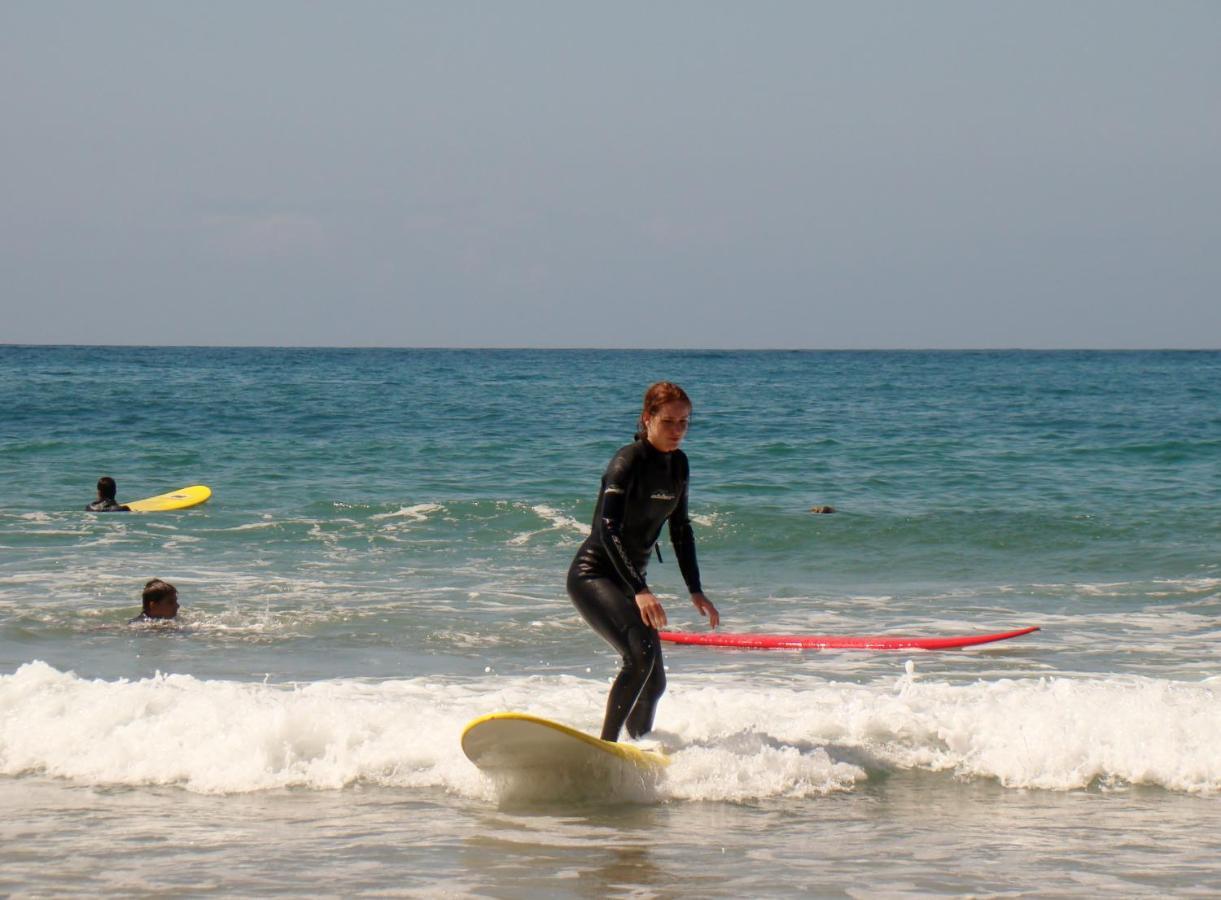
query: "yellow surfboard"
511, 742
179, 499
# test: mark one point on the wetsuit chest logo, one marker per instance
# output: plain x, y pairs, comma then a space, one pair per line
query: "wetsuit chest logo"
661, 495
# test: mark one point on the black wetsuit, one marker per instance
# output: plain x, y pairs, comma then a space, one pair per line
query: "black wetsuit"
642, 489
107, 504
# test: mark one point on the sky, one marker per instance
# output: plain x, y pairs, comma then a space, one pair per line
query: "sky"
574, 174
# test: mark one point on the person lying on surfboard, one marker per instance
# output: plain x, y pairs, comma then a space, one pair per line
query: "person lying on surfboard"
645, 485
160, 600
106, 501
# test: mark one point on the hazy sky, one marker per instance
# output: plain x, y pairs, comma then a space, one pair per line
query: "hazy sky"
661, 174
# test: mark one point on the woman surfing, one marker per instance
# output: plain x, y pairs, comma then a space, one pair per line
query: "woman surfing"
645, 486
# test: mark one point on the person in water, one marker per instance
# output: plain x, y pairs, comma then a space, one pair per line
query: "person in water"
106, 501
645, 485
160, 600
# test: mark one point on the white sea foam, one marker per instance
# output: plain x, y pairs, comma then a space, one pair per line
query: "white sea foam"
39, 517
180, 540
1051, 733
1156, 587
729, 741
1190, 584
558, 522
220, 736
417, 513
561, 520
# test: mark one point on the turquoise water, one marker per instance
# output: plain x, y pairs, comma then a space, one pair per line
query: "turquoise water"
384, 556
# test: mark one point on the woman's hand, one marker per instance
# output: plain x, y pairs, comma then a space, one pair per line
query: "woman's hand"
704, 605
650, 610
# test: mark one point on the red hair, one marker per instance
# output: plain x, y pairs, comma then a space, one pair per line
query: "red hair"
657, 396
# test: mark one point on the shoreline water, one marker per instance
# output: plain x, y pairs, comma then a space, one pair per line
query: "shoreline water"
895, 838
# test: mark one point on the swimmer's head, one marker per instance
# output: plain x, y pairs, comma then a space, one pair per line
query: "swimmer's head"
160, 599
106, 488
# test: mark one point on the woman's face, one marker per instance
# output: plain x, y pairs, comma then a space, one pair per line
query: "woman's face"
667, 427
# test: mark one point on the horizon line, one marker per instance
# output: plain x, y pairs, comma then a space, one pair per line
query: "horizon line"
562, 349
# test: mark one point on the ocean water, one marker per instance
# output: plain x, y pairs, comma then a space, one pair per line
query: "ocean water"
383, 559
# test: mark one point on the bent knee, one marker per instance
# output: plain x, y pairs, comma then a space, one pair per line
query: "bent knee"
657, 681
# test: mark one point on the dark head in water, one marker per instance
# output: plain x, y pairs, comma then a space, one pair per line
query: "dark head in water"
160, 600
106, 488
106, 501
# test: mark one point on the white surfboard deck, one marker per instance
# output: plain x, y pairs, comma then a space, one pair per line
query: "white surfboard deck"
519, 742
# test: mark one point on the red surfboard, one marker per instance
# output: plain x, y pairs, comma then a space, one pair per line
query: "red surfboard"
835, 642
